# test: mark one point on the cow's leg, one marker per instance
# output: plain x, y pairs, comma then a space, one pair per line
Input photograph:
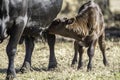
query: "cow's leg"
75, 54
11, 49
80, 63
29, 44
90, 53
101, 42
52, 58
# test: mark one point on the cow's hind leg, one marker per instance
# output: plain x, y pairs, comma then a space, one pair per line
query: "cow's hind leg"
75, 53
29, 44
101, 42
52, 58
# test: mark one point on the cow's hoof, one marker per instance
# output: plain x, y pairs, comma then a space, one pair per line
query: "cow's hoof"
26, 68
10, 77
52, 65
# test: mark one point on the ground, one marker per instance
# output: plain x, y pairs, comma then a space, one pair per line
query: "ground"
64, 53
64, 71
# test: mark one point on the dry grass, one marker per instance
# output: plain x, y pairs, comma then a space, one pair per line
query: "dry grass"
64, 53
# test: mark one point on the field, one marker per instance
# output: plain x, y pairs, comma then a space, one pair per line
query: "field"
64, 71
64, 53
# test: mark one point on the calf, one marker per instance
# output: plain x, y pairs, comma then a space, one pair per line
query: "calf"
86, 28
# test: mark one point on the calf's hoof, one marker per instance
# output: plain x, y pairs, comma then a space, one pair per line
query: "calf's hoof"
73, 62
88, 70
105, 63
89, 67
52, 65
80, 65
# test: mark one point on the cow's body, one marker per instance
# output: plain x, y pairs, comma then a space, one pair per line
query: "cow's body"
39, 12
16, 15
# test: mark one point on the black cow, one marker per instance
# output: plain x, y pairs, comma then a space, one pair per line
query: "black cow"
16, 15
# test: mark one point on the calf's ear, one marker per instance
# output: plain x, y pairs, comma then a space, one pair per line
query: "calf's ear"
70, 21
55, 22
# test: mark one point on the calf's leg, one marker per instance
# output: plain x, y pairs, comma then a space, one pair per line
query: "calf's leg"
101, 42
75, 54
90, 53
29, 44
52, 58
80, 63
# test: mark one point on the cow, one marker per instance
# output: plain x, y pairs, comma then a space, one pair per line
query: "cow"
16, 15
86, 28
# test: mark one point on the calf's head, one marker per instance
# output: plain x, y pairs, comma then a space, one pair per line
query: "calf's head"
62, 22
4, 18
59, 25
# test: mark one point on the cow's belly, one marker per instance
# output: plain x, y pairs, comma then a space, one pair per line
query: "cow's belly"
43, 11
